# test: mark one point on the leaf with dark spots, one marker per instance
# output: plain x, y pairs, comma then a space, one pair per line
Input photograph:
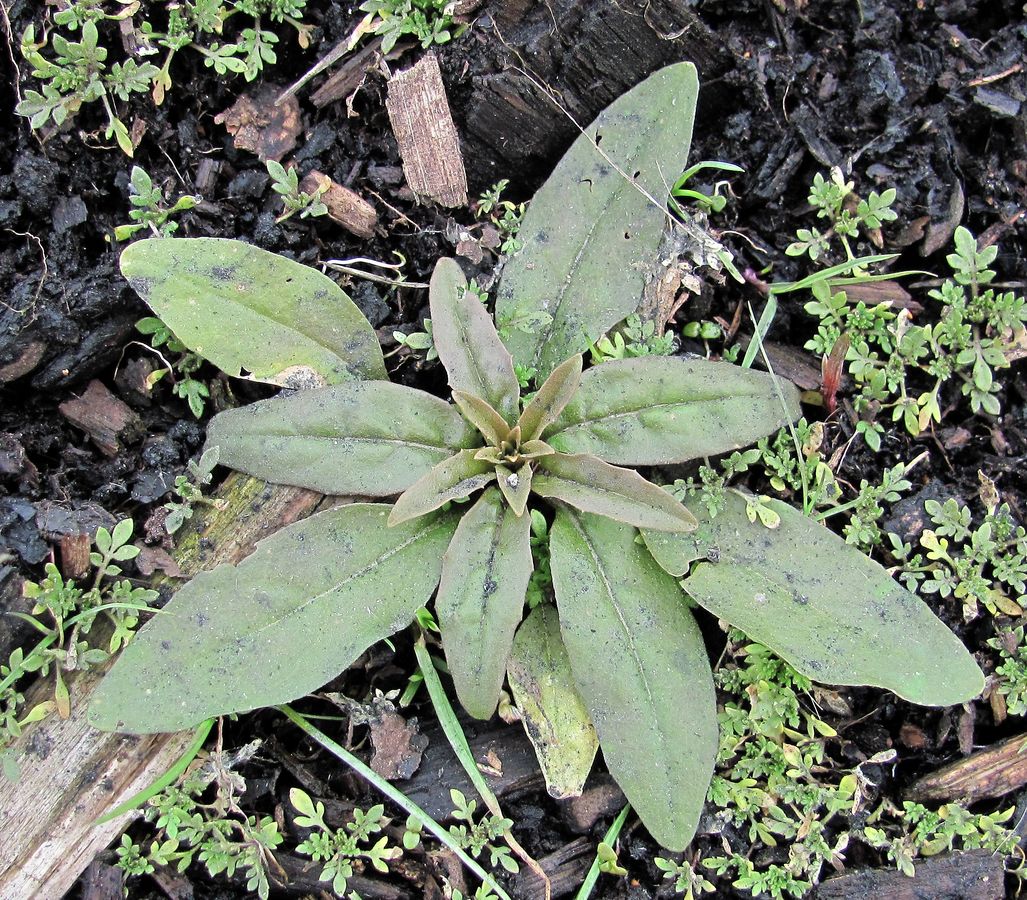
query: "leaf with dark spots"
576, 267
452, 479
639, 661
597, 487
658, 410
467, 343
551, 398
373, 439
247, 310
485, 574
831, 612
338, 582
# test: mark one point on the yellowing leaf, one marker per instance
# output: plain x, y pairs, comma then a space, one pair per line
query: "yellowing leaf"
553, 713
250, 311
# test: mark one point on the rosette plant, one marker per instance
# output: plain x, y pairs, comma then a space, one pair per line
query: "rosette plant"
615, 652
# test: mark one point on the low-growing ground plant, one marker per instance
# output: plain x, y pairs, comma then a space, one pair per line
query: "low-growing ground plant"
901, 368
229, 34
64, 612
150, 209
620, 651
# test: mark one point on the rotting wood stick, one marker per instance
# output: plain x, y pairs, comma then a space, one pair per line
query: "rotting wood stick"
428, 142
71, 773
345, 207
993, 772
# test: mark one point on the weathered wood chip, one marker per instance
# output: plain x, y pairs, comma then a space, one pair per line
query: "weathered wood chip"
427, 138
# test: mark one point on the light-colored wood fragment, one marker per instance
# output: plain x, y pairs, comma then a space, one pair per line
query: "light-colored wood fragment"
346, 207
73, 774
427, 138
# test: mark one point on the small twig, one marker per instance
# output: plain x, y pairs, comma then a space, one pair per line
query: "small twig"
998, 76
329, 59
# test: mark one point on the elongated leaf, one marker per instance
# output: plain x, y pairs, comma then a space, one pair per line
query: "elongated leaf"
482, 416
369, 438
485, 574
551, 398
250, 311
658, 410
452, 479
592, 231
640, 664
288, 619
831, 612
597, 487
553, 713
467, 342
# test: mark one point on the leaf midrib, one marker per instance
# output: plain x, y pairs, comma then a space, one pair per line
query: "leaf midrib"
360, 573
357, 363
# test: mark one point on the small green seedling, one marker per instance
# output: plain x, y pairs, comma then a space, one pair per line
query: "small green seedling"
427, 21
149, 208
621, 648
80, 72
285, 183
710, 203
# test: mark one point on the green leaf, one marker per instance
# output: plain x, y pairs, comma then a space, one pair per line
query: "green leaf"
551, 398
467, 342
640, 664
594, 486
485, 574
284, 622
452, 479
658, 410
369, 438
250, 311
553, 713
493, 427
831, 612
591, 233
674, 553
516, 486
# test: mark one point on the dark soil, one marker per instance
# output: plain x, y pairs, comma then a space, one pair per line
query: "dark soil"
901, 94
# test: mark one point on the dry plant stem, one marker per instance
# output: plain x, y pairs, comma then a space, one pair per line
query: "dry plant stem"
396, 796
458, 741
